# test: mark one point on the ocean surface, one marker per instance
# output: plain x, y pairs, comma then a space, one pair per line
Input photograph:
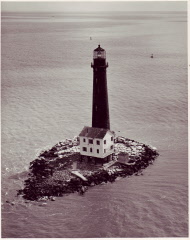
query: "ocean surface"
47, 97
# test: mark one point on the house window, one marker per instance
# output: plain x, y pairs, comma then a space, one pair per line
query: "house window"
97, 150
84, 140
84, 149
111, 138
111, 147
104, 150
90, 141
90, 149
98, 142
104, 141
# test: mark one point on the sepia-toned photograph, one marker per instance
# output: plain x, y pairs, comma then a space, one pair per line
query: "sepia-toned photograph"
94, 130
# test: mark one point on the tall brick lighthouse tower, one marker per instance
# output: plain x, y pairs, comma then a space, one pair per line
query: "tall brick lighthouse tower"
97, 142
100, 107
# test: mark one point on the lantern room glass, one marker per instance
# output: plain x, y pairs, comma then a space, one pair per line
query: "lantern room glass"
99, 54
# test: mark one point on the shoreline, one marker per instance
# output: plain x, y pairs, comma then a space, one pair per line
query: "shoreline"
53, 173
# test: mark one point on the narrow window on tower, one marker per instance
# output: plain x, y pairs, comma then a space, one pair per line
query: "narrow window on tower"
98, 142
90, 149
97, 150
111, 138
104, 150
111, 147
84, 140
104, 141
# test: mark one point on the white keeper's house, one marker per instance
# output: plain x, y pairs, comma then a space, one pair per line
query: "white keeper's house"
96, 142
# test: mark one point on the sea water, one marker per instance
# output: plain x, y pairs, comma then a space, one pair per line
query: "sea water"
47, 97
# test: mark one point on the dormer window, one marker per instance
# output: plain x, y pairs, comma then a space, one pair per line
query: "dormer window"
84, 140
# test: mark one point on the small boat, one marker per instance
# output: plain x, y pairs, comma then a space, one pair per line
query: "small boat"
152, 56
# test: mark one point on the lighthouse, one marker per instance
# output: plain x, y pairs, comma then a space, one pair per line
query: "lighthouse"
97, 142
100, 106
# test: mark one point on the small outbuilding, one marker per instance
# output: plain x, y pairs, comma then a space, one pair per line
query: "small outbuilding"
96, 142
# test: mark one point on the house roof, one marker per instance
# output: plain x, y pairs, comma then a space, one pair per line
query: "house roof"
92, 132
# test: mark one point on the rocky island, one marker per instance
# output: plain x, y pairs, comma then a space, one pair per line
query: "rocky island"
60, 171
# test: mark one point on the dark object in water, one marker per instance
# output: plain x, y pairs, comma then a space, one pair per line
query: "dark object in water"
152, 56
82, 189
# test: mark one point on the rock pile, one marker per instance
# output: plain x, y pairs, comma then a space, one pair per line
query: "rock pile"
50, 173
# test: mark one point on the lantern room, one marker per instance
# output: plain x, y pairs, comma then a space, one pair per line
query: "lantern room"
99, 53
99, 56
